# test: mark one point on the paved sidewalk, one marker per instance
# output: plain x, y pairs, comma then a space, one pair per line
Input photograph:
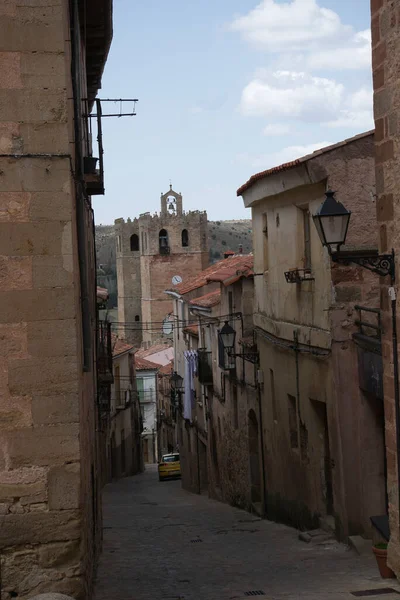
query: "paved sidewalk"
162, 543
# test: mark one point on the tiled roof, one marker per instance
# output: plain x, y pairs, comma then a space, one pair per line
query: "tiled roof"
142, 364
219, 271
192, 330
119, 346
167, 369
159, 354
208, 300
143, 352
298, 161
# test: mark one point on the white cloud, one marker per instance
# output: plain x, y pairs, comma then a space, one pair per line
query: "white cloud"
273, 159
303, 26
298, 96
358, 113
276, 129
356, 54
292, 95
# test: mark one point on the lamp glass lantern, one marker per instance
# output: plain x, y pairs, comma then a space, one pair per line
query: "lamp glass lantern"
332, 222
227, 335
176, 382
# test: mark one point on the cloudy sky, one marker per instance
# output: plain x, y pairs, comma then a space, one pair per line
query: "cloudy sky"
227, 88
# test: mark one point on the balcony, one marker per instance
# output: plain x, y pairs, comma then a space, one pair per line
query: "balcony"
298, 275
205, 371
93, 176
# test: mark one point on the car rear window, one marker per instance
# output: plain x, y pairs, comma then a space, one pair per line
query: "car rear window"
171, 458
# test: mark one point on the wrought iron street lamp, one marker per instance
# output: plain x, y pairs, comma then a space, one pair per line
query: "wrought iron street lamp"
176, 382
227, 336
332, 222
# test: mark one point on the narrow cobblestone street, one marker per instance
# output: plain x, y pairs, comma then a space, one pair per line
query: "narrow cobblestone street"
161, 542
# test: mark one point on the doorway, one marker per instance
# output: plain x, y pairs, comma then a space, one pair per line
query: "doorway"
322, 455
373, 457
254, 453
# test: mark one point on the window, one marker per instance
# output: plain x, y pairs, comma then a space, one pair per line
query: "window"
163, 241
265, 242
307, 238
134, 242
142, 237
273, 398
185, 238
137, 318
118, 243
294, 436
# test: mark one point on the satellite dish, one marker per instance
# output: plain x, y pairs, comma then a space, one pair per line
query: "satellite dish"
176, 280
167, 327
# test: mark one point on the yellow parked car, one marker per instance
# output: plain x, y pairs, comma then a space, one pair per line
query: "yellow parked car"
170, 466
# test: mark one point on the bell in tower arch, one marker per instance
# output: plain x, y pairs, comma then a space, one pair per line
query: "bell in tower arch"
171, 206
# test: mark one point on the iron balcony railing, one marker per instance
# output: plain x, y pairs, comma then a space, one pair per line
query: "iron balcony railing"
369, 321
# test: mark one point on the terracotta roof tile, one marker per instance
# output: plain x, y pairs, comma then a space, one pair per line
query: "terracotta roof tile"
142, 364
119, 346
167, 369
208, 300
219, 271
192, 330
142, 353
298, 161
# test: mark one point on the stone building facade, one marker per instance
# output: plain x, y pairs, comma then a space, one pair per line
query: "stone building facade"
321, 399
124, 444
151, 250
385, 26
213, 437
51, 62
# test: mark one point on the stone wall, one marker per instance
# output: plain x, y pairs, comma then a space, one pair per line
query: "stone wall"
144, 275
385, 59
50, 506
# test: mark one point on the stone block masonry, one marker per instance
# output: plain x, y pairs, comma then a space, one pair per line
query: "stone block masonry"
50, 509
145, 271
385, 60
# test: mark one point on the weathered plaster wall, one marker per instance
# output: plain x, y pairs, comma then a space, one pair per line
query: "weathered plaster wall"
325, 394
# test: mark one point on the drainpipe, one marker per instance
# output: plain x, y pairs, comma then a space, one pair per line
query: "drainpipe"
79, 188
392, 295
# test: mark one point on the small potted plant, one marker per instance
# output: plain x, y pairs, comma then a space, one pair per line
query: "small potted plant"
380, 551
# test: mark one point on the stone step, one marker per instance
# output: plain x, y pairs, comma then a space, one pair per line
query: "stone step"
316, 536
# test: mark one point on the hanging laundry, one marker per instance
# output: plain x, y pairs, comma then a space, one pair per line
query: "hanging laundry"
189, 401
